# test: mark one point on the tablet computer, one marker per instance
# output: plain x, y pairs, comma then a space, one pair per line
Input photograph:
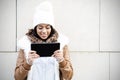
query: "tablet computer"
45, 49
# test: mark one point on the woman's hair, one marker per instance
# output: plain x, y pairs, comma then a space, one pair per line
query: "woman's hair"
36, 35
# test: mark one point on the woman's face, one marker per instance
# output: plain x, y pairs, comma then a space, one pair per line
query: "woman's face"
43, 30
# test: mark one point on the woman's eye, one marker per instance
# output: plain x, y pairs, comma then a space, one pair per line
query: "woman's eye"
39, 27
47, 27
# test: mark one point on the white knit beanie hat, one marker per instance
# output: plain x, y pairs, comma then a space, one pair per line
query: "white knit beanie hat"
43, 14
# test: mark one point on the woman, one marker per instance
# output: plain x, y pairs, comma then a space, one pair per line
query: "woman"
26, 67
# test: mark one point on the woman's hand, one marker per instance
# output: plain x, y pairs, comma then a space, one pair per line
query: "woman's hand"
58, 55
31, 56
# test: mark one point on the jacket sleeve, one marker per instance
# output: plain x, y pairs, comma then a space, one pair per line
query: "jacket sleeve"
22, 68
66, 69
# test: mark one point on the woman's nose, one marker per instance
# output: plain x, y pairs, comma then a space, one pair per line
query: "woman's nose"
44, 30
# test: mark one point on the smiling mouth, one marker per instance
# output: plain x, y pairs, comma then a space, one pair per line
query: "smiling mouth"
44, 36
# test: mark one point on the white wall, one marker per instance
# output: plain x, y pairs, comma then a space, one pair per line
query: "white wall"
91, 25
7, 65
7, 25
110, 25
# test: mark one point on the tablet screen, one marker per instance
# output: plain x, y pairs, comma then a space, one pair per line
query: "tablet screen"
45, 49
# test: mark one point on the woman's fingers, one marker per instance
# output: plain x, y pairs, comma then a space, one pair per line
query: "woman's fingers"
31, 56
58, 55
32, 52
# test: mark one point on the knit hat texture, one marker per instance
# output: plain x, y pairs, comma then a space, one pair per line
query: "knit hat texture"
43, 14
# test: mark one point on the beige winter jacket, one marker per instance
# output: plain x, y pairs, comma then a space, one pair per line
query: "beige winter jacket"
22, 68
